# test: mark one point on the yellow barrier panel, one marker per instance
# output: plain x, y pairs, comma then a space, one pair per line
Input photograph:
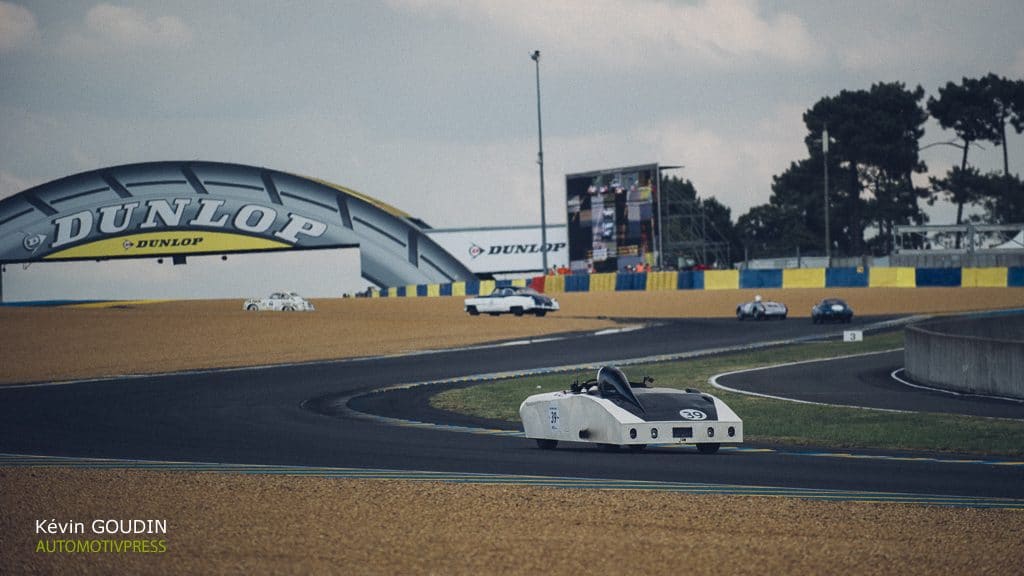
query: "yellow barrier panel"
458, 288
410, 291
602, 282
983, 277
486, 287
721, 279
658, 281
803, 278
519, 282
113, 303
433, 290
554, 284
893, 278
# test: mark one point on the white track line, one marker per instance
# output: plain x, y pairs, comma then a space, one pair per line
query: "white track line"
714, 382
950, 392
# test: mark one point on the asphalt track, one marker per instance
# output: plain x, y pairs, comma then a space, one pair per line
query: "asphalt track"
261, 416
867, 381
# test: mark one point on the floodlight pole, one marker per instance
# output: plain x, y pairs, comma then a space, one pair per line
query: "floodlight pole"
828, 238
535, 56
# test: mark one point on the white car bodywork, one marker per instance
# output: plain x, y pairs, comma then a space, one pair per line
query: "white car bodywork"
511, 300
761, 310
599, 411
286, 301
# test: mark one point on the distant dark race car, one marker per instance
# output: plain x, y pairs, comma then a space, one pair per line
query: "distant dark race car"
831, 310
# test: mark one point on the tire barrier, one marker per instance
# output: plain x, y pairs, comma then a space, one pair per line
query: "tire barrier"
736, 279
977, 355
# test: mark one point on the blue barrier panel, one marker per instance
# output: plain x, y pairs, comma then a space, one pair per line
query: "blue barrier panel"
385, 292
1015, 276
577, 283
937, 277
846, 277
400, 291
698, 279
760, 278
446, 289
472, 287
421, 290
633, 281
502, 283
685, 281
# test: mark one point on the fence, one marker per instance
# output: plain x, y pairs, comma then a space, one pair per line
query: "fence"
859, 277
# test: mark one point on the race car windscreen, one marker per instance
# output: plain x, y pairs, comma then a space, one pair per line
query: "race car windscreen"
613, 383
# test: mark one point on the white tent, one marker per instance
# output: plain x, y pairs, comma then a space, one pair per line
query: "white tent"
1015, 243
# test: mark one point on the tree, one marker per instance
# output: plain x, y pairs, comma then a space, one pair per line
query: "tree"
961, 186
893, 201
771, 230
876, 134
1006, 101
1004, 199
968, 110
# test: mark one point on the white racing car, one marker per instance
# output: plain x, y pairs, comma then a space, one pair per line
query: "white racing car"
511, 300
286, 301
612, 411
761, 310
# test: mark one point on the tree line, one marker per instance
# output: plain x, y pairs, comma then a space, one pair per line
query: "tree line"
872, 151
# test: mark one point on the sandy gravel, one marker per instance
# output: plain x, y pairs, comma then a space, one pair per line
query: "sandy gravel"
231, 524
79, 342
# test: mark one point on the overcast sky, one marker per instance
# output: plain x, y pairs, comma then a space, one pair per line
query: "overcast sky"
431, 105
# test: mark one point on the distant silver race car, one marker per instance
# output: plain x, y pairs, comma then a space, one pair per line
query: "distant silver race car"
286, 301
759, 309
612, 411
511, 300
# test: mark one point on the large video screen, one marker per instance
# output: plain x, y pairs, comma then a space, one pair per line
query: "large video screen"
612, 218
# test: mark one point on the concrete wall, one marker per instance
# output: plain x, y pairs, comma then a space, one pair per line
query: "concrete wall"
326, 273
974, 355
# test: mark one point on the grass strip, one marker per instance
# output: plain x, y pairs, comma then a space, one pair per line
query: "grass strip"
775, 421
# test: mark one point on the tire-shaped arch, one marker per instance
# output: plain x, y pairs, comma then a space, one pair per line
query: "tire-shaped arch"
394, 250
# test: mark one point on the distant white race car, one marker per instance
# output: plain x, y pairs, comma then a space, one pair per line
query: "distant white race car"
761, 310
511, 300
286, 301
612, 411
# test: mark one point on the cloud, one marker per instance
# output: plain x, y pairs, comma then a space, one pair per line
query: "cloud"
1017, 68
734, 165
11, 184
17, 27
110, 28
648, 34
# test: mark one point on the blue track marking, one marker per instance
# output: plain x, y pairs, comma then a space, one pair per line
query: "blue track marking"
15, 460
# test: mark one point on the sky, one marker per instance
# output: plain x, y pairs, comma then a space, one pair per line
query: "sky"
431, 106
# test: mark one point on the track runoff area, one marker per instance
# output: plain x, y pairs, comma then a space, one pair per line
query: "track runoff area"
428, 421
588, 350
